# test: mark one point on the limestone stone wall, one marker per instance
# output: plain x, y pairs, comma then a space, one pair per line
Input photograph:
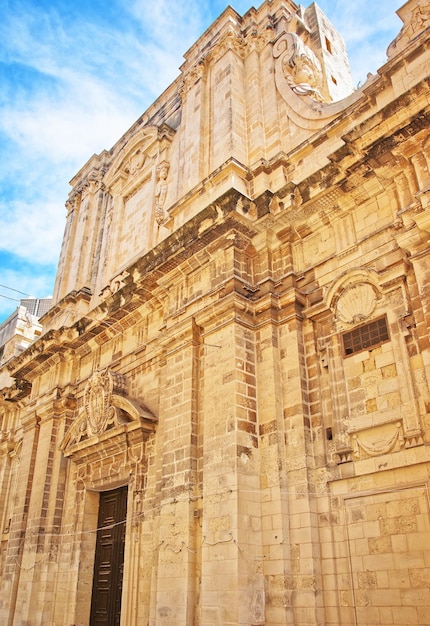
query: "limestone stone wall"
241, 338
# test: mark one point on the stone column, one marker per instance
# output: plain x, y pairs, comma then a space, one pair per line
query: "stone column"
275, 508
66, 271
35, 599
416, 243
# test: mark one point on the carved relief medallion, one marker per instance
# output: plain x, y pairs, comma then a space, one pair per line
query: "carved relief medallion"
135, 162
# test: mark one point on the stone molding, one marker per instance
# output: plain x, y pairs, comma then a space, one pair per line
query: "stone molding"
135, 162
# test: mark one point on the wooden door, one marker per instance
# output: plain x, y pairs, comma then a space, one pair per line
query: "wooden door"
109, 559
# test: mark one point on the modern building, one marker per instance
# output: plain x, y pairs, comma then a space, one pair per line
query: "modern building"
226, 418
19, 331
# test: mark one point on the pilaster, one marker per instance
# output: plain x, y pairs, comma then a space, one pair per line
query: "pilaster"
13, 574
305, 574
179, 496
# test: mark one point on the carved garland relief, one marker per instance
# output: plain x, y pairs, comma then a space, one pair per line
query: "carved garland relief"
383, 440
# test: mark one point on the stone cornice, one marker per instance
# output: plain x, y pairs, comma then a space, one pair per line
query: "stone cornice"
81, 298
232, 170
209, 225
367, 131
351, 164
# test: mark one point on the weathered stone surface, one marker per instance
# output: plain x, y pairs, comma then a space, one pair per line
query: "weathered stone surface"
240, 334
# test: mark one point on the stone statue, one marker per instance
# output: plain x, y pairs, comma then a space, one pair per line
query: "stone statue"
161, 191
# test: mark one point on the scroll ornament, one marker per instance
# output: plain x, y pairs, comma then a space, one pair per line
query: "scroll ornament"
302, 69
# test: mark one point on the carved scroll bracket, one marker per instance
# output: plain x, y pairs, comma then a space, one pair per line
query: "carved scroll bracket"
298, 78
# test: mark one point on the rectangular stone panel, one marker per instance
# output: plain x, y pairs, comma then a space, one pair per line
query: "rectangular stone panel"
389, 548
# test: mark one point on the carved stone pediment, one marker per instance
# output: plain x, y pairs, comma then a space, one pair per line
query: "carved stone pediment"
135, 161
108, 417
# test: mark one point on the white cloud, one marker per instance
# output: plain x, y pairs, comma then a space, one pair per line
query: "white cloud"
73, 90
32, 231
71, 126
367, 28
100, 79
171, 29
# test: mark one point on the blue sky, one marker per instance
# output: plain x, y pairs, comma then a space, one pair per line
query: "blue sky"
74, 75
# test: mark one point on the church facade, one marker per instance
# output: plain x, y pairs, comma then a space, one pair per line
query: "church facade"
226, 418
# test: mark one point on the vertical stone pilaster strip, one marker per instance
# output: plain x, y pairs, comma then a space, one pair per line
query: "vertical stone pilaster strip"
178, 540
14, 565
303, 533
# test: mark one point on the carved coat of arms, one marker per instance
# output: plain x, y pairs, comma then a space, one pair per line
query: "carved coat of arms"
97, 398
